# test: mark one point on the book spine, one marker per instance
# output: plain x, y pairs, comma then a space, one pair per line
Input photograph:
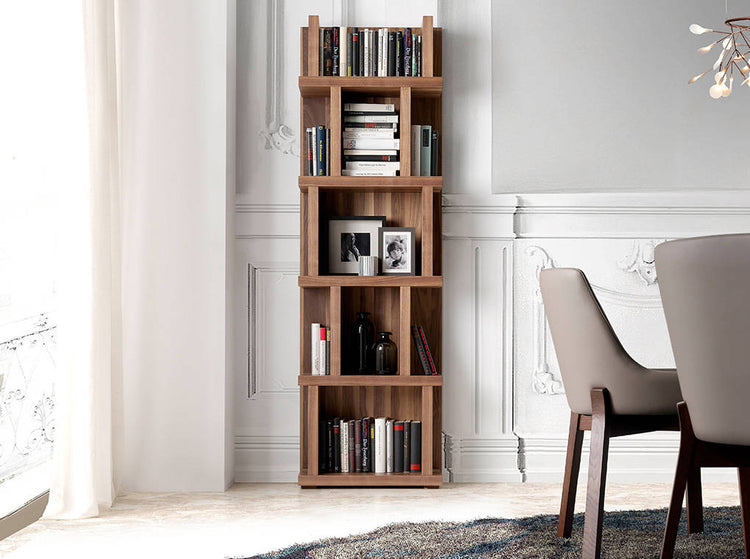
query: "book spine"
349, 53
321, 52
391, 166
416, 135
389, 446
353, 158
416, 447
314, 135
361, 53
419, 57
322, 344
329, 445
335, 55
426, 152
398, 447
315, 348
328, 151
327, 52
365, 436
427, 351
391, 53
344, 432
350, 126
343, 50
322, 446
371, 423
328, 351
434, 169
370, 117
366, 55
407, 446
320, 140
374, 52
357, 445
308, 152
414, 41
420, 350
352, 451
407, 51
355, 51
382, 52
368, 173
336, 446
399, 53
380, 445
370, 107
370, 143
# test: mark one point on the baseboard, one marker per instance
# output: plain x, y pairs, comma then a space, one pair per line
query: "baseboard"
483, 460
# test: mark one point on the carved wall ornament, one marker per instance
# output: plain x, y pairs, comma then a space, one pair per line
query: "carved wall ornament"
641, 260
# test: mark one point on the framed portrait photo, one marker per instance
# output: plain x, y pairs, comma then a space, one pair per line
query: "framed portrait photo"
350, 237
397, 251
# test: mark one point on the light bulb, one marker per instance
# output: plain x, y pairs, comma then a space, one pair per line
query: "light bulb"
699, 30
696, 78
715, 91
704, 50
719, 77
728, 90
726, 43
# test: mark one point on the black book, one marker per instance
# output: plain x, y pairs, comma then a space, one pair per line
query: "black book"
321, 63
335, 58
407, 51
357, 445
407, 445
336, 446
365, 435
420, 350
355, 51
329, 445
349, 50
352, 436
399, 53
374, 52
327, 52
434, 170
361, 51
320, 139
391, 53
309, 155
398, 447
322, 446
328, 152
415, 433
370, 158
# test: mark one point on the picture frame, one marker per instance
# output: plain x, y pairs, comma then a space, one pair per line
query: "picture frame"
348, 237
397, 251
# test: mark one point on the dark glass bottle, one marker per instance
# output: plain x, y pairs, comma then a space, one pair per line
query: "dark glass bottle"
363, 337
386, 361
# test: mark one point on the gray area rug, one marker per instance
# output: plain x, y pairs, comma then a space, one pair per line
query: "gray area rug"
627, 535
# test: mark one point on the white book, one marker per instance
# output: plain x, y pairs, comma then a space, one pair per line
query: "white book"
323, 351
383, 52
371, 118
366, 45
367, 173
416, 139
314, 153
343, 46
350, 133
370, 152
344, 434
389, 446
373, 165
380, 445
370, 107
315, 345
371, 143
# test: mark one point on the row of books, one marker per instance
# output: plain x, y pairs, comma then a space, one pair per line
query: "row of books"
370, 140
423, 350
321, 349
424, 151
370, 445
369, 52
318, 153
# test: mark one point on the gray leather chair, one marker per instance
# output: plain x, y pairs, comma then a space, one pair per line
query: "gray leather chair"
705, 288
608, 393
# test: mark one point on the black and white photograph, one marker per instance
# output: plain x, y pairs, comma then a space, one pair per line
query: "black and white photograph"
350, 237
397, 250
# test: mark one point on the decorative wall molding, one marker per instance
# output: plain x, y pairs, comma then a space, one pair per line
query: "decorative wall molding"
277, 135
266, 459
641, 260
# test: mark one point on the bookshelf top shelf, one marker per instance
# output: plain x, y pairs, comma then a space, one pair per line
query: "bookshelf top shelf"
370, 380
372, 184
320, 86
371, 281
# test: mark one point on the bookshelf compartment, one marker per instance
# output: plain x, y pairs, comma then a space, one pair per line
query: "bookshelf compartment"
356, 402
314, 110
315, 306
427, 110
426, 311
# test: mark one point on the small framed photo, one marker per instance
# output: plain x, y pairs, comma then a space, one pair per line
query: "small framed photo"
397, 253
350, 237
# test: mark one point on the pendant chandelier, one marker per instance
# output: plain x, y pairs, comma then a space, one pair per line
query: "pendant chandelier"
734, 58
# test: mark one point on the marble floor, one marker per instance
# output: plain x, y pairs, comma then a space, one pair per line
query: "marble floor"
253, 518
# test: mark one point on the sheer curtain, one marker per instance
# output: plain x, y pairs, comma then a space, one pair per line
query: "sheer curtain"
89, 388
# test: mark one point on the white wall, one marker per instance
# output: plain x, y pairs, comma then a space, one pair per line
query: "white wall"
176, 163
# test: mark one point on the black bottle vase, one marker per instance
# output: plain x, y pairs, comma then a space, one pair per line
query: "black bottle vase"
363, 337
386, 361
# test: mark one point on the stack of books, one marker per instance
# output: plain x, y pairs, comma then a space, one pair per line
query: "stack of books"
318, 154
370, 445
369, 52
321, 349
370, 140
423, 351
424, 151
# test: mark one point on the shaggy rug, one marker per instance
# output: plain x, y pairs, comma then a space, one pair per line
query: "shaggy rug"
627, 535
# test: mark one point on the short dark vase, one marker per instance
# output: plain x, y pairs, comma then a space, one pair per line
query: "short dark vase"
363, 333
386, 362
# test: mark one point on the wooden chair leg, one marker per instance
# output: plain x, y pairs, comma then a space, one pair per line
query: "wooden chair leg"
570, 483
685, 465
743, 475
600, 433
694, 502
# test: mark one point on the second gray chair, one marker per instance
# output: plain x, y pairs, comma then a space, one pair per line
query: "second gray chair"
608, 393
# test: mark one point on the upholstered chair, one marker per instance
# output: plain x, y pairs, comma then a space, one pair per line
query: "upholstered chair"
705, 288
608, 393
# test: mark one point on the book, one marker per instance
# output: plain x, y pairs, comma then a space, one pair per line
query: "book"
351, 445
343, 51
320, 140
399, 53
322, 446
366, 54
336, 446
382, 52
415, 460
427, 350
420, 351
434, 169
414, 40
385, 133
309, 152
379, 152
344, 433
323, 357
419, 56
329, 445
380, 445
315, 347
314, 132
390, 166
416, 135
398, 446
391, 53
407, 51
327, 52
349, 125
370, 107
355, 51
370, 157
328, 351
328, 152
365, 437
349, 51
357, 445
370, 143
361, 53
425, 156
321, 56
370, 117
371, 423
367, 173
335, 56
389, 446
407, 446
374, 52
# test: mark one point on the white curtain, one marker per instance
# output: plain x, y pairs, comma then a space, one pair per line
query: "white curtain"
89, 387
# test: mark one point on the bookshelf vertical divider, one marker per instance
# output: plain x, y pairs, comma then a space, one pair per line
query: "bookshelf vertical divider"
396, 302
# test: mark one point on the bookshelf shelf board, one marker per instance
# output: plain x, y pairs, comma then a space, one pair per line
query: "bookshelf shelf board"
320, 86
372, 184
371, 281
370, 380
394, 480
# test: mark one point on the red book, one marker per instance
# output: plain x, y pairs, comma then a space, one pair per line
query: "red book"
427, 351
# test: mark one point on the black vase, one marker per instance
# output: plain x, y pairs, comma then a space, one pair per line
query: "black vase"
363, 337
386, 361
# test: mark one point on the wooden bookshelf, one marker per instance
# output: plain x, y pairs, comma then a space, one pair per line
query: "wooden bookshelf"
395, 302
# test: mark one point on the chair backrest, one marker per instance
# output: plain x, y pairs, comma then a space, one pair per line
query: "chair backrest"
705, 288
588, 351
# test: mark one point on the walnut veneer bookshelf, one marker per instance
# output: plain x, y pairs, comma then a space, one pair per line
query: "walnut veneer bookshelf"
395, 302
